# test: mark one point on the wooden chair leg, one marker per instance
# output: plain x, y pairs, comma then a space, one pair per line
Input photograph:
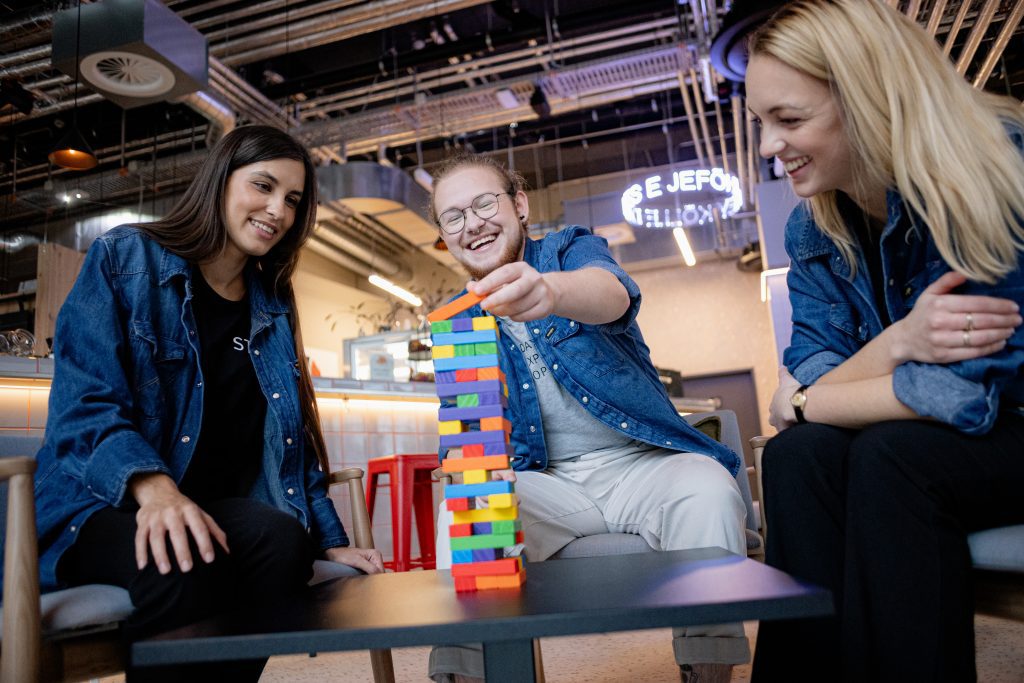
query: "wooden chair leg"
538, 662
21, 643
383, 666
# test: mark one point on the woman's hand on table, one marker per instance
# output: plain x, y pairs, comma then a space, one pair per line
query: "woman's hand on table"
368, 560
165, 512
946, 328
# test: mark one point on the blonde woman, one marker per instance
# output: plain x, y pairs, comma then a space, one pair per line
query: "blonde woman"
899, 405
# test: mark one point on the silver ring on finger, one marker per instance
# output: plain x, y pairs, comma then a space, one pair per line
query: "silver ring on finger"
967, 337
970, 323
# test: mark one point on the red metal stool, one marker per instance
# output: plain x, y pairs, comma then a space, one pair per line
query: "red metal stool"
411, 487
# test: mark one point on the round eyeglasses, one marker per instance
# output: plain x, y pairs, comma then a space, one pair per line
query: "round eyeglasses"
484, 206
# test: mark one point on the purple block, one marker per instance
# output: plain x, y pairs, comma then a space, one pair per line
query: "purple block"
487, 554
481, 528
456, 388
444, 377
495, 448
463, 438
491, 398
462, 324
474, 413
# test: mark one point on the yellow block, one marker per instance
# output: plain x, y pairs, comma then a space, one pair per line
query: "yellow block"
449, 427
447, 351
484, 322
485, 515
475, 477
501, 500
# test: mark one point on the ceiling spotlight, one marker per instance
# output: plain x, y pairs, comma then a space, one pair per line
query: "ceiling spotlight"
435, 35
417, 42
449, 31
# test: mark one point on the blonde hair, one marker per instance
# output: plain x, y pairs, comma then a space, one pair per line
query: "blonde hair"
913, 124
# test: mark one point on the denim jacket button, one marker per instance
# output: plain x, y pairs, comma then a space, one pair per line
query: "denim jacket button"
288, 441
256, 352
892, 281
199, 384
291, 491
572, 323
585, 399
275, 395
624, 425
536, 330
668, 443
186, 439
526, 385
555, 366
533, 428
73, 528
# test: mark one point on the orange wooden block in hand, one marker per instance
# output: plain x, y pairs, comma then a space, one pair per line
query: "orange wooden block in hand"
463, 303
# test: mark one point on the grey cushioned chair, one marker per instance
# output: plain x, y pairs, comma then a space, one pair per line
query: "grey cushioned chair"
997, 555
74, 634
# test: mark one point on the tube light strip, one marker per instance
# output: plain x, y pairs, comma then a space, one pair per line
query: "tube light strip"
391, 288
684, 246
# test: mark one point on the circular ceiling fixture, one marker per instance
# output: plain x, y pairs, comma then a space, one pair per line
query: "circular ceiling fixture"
127, 73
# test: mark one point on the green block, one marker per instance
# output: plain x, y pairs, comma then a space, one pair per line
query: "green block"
441, 326
508, 526
465, 350
467, 400
485, 348
483, 541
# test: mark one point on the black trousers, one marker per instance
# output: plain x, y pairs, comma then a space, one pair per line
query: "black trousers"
880, 516
271, 557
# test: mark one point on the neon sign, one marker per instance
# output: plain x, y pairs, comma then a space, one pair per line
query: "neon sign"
646, 204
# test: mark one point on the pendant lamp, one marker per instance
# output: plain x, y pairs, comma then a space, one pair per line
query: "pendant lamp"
73, 152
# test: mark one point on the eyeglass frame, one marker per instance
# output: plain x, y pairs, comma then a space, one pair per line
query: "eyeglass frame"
463, 211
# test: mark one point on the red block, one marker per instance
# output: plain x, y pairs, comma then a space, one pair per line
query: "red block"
473, 450
460, 530
457, 504
468, 375
465, 584
502, 567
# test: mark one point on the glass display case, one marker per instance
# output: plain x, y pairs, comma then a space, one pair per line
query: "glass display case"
392, 356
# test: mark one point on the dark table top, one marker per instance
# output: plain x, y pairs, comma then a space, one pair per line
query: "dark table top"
560, 597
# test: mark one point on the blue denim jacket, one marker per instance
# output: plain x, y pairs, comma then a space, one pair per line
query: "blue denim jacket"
606, 367
127, 396
834, 316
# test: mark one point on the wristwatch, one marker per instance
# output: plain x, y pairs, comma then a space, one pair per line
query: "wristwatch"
799, 401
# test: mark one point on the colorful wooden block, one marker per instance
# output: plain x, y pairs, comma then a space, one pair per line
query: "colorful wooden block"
490, 514
495, 582
448, 440
485, 348
467, 375
501, 567
465, 362
445, 377
470, 412
440, 327
460, 504
467, 387
463, 557
492, 423
484, 541
486, 554
465, 584
467, 400
460, 530
451, 427
491, 398
496, 448
484, 322
501, 500
480, 528
486, 489
464, 464
462, 325
464, 302
473, 450
464, 338
493, 372
475, 476
465, 350
443, 351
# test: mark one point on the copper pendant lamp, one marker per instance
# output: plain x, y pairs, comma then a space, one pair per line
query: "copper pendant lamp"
73, 152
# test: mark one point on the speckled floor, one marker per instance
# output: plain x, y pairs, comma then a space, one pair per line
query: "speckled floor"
617, 657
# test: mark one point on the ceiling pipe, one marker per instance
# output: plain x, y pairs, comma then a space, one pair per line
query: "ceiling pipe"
251, 25
999, 46
332, 254
981, 25
384, 266
222, 120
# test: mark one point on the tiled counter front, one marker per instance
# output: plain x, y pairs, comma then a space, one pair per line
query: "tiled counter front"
361, 420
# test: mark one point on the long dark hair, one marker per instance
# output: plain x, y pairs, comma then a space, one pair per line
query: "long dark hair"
195, 230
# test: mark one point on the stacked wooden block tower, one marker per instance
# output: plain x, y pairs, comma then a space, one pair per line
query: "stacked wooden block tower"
474, 429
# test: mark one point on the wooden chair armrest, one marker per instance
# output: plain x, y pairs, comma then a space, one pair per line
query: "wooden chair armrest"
21, 645
757, 444
361, 531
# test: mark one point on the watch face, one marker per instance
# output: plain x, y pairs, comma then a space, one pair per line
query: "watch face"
798, 399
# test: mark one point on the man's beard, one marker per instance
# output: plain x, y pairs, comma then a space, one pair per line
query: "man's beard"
509, 255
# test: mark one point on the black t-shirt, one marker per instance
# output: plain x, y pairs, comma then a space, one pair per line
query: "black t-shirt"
228, 456
869, 237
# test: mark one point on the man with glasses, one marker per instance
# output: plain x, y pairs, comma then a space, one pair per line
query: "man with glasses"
598, 445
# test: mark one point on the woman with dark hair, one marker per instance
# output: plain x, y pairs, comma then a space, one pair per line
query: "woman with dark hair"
183, 457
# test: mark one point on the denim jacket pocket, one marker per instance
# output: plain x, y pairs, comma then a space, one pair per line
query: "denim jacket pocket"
595, 353
844, 318
155, 360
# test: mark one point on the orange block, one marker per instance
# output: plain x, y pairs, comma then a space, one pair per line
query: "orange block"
493, 372
463, 303
494, 424
469, 375
465, 584
503, 567
473, 450
460, 530
487, 462
457, 504
491, 582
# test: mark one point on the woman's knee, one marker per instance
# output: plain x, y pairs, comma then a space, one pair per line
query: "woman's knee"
792, 458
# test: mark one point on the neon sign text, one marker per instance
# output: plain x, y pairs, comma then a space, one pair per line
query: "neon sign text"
704, 181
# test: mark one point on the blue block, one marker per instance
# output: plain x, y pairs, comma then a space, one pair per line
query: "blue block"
462, 324
495, 448
462, 556
453, 338
481, 528
447, 377
463, 438
487, 554
489, 360
457, 388
474, 413
485, 489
